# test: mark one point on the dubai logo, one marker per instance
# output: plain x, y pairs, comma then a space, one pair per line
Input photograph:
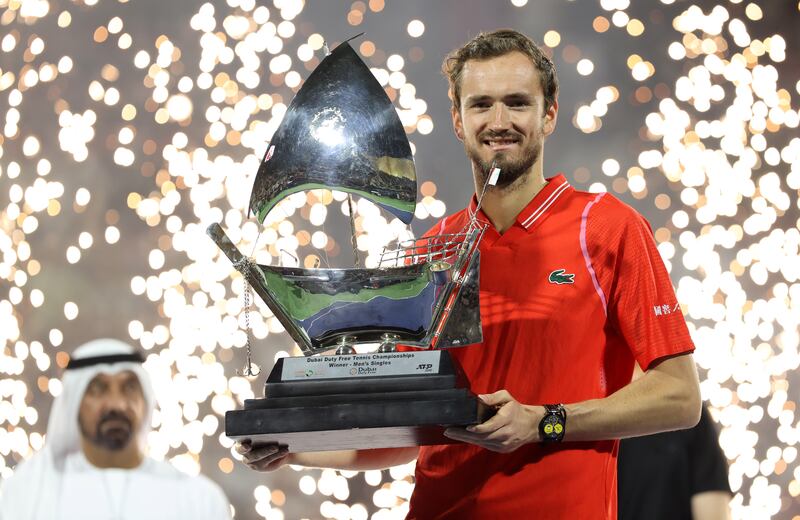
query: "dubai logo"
560, 276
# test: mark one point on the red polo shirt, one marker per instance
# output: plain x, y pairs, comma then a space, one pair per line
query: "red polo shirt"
570, 295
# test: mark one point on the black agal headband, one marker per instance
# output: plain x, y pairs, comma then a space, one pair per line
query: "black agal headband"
135, 357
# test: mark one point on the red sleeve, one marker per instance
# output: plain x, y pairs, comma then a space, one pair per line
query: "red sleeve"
422, 245
436, 229
641, 301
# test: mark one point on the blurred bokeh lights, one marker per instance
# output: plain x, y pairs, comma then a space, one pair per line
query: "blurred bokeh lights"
118, 144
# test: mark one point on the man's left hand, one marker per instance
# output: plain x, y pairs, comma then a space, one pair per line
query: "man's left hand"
513, 425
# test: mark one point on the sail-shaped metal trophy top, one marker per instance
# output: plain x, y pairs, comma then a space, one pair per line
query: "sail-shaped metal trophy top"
341, 132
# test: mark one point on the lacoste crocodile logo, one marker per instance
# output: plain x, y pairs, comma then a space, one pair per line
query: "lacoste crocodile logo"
560, 276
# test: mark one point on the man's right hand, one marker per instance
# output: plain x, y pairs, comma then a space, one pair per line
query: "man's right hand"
268, 457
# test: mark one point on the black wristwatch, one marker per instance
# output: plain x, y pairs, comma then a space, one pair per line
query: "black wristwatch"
554, 423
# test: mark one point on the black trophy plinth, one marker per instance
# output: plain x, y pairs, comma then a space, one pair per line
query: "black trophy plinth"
387, 400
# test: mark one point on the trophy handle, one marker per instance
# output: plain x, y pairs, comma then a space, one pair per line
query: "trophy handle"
460, 322
255, 277
222, 240
456, 319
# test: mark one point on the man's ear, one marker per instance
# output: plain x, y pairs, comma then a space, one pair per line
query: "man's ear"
458, 125
550, 118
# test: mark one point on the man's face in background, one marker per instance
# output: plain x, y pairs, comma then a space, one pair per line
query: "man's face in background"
112, 410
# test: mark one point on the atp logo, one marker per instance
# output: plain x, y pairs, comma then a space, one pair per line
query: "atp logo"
560, 276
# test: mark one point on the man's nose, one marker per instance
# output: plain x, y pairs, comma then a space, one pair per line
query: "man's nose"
116, 400
501, 117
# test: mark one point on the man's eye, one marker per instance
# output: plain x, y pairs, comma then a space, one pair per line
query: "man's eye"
130, 386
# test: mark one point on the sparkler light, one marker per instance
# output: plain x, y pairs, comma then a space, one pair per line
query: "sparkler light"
120, 144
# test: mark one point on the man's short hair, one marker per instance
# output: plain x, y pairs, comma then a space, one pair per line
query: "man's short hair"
492, 45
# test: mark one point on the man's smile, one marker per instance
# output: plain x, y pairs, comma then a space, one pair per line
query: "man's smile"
498, 144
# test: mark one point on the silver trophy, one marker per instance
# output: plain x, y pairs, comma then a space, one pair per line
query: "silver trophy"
341, 132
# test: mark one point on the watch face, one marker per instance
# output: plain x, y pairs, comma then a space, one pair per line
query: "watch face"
551, 427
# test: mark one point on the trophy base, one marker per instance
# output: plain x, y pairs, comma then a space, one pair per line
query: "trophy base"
373, 420
361, 401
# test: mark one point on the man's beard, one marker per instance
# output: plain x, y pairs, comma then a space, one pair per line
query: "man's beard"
510, 169
112, 438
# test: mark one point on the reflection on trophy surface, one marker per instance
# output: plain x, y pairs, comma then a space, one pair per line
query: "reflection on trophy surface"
341, 132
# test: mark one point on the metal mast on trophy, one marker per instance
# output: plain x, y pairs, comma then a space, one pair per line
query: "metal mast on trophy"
342, 132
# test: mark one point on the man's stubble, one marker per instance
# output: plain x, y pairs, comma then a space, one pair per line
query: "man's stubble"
510, 170
112, 439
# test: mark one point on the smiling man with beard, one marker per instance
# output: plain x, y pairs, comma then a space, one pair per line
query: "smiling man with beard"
94, 463
573, 293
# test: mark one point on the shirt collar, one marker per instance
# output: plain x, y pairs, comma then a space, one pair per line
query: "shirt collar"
539, 206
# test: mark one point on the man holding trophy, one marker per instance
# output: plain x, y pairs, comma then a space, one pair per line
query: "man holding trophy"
573, 293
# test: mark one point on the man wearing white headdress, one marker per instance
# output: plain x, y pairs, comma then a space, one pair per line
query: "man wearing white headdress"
93, 464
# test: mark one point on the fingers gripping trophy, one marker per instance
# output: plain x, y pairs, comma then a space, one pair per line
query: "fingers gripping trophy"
341, 132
